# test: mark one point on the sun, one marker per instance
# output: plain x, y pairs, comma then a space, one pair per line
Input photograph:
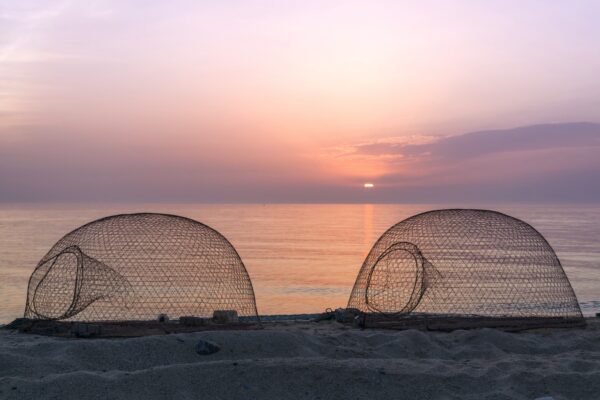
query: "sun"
368, 185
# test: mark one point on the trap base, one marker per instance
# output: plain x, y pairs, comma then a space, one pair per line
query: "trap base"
115, 329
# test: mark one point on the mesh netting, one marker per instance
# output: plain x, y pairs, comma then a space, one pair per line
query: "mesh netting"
136, 266
463, 262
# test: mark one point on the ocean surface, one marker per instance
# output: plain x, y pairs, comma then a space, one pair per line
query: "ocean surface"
301, 258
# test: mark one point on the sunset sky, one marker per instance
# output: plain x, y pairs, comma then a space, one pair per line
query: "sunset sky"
271, 101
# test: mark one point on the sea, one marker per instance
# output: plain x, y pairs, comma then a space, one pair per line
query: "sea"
302, 258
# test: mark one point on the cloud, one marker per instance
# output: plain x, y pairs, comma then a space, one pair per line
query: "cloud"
478, 144
549, 162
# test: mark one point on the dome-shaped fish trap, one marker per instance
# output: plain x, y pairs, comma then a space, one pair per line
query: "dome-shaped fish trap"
137, 266
463, 268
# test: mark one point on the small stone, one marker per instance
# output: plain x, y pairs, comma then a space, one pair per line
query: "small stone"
162, 318
19, 323
204, 347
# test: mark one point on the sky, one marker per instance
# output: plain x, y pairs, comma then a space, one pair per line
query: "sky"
299, 101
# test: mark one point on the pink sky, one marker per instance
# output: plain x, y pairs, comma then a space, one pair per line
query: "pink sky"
276, 101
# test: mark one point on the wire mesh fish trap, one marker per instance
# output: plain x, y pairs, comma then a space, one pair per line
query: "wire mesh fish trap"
137, 266
467, 265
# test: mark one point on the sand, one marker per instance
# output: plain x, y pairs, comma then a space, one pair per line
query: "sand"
307, 361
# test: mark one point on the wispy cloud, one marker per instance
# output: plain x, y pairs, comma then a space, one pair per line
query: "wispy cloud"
385, 146
22, 27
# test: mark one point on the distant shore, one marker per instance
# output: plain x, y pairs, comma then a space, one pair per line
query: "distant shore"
307, 360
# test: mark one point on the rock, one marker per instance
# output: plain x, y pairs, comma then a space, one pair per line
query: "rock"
20, 324
205, 347
225, 316
162, 318
545, 398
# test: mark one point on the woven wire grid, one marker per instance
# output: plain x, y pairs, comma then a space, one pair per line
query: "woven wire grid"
137, 266
463, 262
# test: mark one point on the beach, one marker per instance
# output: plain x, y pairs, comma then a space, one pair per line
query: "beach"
299, 200
307, 360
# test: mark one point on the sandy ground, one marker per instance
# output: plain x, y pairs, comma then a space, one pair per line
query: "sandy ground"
307, 361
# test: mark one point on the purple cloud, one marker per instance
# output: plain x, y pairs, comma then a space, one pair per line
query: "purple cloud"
477, 144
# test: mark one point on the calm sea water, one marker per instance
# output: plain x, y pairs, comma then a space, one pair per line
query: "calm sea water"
301, 258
